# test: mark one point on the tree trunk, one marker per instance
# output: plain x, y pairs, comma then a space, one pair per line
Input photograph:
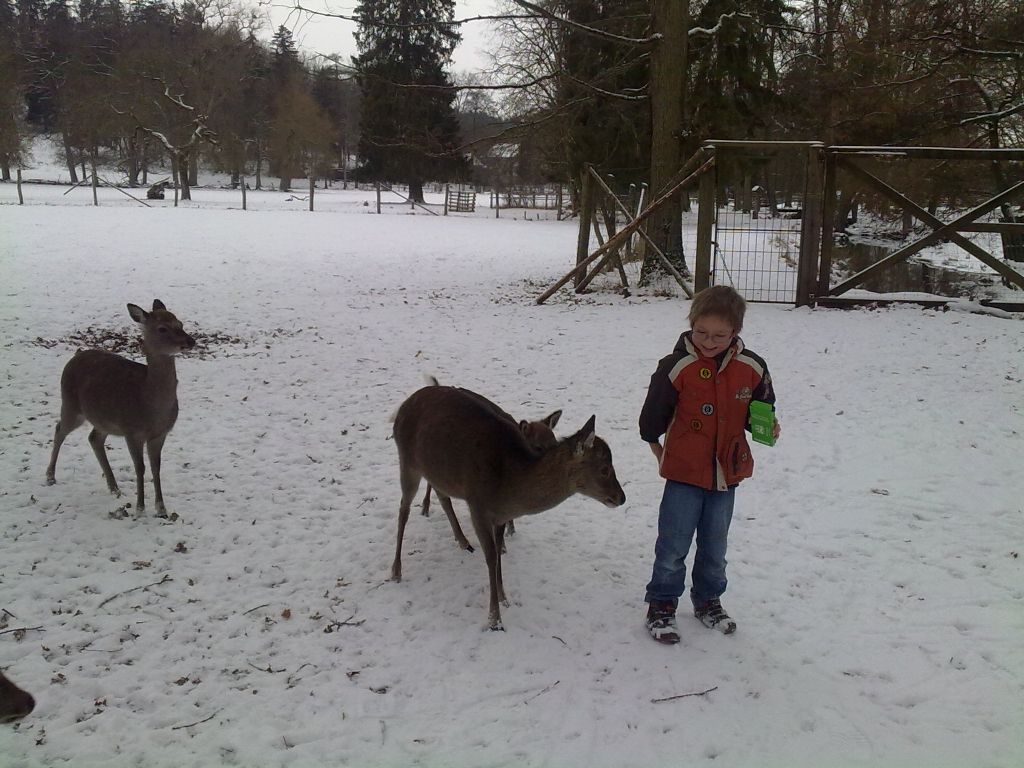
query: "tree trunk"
183, 185
132, 159
193, 169
670, 19
69, 156
416, 190
5, 167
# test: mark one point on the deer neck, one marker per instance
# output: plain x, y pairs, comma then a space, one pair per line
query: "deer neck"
161, 377
544, 482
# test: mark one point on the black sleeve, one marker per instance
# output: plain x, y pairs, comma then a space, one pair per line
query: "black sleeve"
765, 390
660, 404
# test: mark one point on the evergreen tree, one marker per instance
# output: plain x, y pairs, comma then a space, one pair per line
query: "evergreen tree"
409, 129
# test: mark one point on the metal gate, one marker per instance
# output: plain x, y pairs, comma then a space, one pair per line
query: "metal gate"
764, 200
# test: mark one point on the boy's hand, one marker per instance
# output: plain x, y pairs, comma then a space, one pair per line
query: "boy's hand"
656, 449
777, 430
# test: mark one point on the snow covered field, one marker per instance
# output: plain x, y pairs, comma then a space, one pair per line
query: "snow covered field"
875, 556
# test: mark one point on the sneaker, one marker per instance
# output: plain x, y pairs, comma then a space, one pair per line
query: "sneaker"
713, 616
661, 623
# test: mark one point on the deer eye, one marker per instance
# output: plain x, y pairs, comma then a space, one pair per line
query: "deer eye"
161, 329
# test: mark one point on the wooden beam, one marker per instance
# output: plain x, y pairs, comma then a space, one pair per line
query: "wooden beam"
934, 153
941, 230
669, 267
624, 233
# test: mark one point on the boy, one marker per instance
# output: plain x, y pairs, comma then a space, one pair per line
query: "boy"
699, 398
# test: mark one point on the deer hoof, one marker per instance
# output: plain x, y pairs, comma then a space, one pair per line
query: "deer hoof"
51, 480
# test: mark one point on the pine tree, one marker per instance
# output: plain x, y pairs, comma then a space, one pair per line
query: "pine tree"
409, 129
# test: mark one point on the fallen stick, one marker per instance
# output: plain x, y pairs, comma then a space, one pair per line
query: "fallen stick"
197, 722
683, 695
164, 580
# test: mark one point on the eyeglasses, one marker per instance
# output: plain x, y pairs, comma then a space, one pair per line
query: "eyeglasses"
717, 338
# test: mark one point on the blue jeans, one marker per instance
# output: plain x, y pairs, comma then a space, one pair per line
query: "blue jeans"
686, 510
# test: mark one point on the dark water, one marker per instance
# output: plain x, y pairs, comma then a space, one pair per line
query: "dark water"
910, 275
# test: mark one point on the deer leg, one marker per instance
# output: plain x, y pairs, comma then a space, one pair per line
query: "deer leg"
449, 510
96, 440
153, 449
485, 532
68, 423
499, 543
426, 502
410, 483
135, 449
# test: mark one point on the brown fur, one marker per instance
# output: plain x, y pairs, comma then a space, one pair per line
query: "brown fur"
467, 451
121, 397
14, 702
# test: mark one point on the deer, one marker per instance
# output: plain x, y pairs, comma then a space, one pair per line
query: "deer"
14, 702
121, 397
539, 436
465, 450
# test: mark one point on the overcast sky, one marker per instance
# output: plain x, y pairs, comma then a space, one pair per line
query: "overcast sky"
326, 36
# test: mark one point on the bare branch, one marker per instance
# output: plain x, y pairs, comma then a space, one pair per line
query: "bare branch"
592, 31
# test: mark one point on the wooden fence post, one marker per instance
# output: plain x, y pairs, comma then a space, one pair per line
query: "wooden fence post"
312, 188
810, 228
21, 199
706, 211
378, 197
828, 224
241, 178
95, 183
586, 216
445, 199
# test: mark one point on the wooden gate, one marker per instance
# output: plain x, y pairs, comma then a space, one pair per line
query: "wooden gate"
854, 161
768, 215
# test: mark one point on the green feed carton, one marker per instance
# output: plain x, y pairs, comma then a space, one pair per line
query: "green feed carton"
762, 422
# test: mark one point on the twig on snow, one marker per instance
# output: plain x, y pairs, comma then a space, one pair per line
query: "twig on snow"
541, 693
24, 629
683, 695
197, 722
268, 669
245, 613
164, 580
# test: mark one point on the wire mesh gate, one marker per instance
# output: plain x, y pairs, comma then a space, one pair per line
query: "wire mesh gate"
765, 201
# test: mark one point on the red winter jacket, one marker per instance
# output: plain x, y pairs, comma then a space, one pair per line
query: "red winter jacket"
701, 404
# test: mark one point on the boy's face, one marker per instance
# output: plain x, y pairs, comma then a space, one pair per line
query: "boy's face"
712, 334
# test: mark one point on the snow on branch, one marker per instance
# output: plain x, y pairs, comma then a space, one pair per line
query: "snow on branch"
694, 31
996, 116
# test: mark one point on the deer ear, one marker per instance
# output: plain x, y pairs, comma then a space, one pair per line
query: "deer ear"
585, 436
552, 420
138, 313
524, 426
157, 304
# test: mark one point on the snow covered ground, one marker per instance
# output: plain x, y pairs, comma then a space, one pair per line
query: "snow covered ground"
875, 566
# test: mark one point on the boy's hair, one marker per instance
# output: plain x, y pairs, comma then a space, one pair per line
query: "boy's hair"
722, 301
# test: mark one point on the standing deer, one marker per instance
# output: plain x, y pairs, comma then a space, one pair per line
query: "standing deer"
14, 702
467, 451
539, 436
121, 397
